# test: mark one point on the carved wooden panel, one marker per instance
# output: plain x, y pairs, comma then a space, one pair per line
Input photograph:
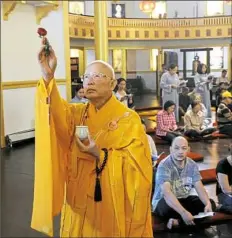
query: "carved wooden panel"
146, 34
229, 31
83, 32
208, 32
117, 34
219, 32
166, 34
92, 33
156, 34
177, 33
136, 34
109, 34
127, 34
187, 33
75, 31
198, 33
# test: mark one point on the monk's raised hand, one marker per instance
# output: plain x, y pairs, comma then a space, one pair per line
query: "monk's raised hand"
48, 62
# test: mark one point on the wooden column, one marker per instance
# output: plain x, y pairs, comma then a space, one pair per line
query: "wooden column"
124, 64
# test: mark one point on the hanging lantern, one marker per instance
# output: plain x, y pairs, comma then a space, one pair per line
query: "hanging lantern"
147, 6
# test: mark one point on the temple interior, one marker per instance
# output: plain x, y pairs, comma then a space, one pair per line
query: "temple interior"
142, 41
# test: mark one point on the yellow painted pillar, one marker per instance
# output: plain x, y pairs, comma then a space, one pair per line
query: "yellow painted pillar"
81, 62
159, 70
67, 50
229, 70
101, 30
85, 59
124, 64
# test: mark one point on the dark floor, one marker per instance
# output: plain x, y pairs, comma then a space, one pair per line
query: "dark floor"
17, 186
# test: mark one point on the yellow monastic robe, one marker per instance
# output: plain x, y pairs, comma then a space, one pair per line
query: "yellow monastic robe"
126, 180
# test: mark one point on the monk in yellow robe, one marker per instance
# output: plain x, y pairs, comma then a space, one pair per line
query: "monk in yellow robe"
102, 186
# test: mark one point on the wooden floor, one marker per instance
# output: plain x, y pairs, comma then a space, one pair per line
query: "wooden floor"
17, 174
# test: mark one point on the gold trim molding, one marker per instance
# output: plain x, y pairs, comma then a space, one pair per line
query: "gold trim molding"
7, 8
42, 8
26, 84
154, 29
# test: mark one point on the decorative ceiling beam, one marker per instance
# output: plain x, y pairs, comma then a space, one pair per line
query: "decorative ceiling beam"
43, 11
8, 7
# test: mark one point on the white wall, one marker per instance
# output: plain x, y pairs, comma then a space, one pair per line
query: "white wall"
20, 44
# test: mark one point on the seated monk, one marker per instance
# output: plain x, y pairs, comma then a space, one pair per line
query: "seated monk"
175, 177
193, 122
224, 184
103, 180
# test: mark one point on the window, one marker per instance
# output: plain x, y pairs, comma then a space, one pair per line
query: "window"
118, 10
160, 9
214, 8
216, 58
76, 7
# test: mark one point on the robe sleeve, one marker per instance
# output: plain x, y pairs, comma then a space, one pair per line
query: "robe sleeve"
197, 80
164, 85
53, 130
137, 178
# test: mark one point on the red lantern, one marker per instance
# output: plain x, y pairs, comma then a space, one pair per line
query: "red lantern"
147, 6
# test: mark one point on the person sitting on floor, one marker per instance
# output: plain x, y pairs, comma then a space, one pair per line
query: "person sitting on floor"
184, 101
224, 114
80, 95
193, 121
197, 99
166, 127
224, 184
175, 177
151, 142
221, 89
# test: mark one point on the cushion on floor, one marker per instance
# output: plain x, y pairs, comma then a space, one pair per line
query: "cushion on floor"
216, 134
208, 176
218, 218
147, 114
195, 156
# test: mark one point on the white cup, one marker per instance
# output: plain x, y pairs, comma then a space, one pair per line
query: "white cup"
82, 132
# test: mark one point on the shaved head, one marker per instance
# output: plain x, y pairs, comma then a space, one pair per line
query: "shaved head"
179, 148
178, 140
99, 81
104, 65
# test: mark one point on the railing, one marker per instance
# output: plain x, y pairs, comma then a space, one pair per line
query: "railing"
208, 26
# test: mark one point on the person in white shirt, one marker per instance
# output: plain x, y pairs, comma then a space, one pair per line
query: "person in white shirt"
151, 142
197, 99
121, 93
223, 78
